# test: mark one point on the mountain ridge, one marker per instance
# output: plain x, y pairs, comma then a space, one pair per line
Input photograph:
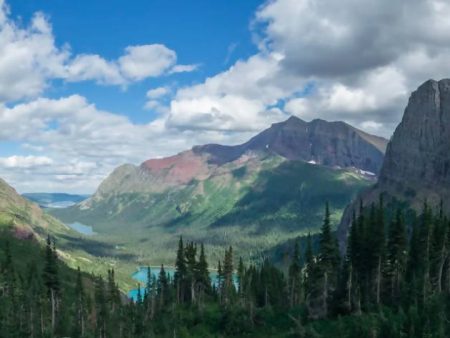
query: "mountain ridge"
24, 217
252, 195
293, 139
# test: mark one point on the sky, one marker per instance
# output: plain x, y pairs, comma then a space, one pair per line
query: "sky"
88, 85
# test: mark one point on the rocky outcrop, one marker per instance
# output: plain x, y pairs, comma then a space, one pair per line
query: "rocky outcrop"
418, 156
334, 144
417, 161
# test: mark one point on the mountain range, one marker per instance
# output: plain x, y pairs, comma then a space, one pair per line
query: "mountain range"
257, 195
253, 196
54, 200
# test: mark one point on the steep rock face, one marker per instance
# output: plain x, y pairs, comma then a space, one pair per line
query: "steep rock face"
327, 143
417, 161
418, 155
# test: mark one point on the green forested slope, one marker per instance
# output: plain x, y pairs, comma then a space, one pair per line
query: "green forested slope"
253, 207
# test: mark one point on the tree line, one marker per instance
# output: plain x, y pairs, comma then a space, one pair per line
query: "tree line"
392, 281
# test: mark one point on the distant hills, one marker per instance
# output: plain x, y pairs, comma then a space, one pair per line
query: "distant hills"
54, 200
253, 196
24, 218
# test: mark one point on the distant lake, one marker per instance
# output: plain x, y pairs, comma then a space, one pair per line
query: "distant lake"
82, 228
60, 205
141, 277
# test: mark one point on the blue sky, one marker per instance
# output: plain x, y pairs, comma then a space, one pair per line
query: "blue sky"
212, 34
86, 86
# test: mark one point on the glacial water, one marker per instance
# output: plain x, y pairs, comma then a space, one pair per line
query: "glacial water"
82, 228
141, 277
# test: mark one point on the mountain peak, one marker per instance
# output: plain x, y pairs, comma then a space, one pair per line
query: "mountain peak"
331, 144
293, 119
334, 144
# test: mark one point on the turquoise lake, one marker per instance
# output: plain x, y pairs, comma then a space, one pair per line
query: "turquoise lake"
82, 228
141, 277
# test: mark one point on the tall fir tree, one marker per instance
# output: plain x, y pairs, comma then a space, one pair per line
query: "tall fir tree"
180, 272
202, 277
396, 257
295, 277
51, 279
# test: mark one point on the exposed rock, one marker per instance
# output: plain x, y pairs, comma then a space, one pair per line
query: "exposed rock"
326, 143
417, 162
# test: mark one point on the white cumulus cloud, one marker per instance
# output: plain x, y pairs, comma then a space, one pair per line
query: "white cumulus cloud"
25, 161
30, 59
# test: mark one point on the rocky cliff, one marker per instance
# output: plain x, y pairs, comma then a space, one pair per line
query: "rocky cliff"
417, 161
334, 144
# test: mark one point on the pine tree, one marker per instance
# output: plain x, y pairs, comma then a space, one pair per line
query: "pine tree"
329, 253
163, 287
309, 266
438, 250
396, 256
425, 231
101, 309
51, 279
113, 298
180, 272
353, 267
148, 286
191, 270
80, 307
325, 273
203, 278
219, 281
295, 277
378, 248
228, 283
240, 277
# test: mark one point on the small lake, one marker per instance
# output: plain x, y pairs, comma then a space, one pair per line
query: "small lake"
60, 205
82, 228
141, 277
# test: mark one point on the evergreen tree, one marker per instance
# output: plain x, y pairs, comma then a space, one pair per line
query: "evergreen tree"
377, 245
51, 279
241, 277
354, 265
219, 281
325, 272
228, 289
180, 272
163, 287
148, 286
191, 270
396, 256
309, 266
423, 264
438, 251
203, 278
101, 308
295, 277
